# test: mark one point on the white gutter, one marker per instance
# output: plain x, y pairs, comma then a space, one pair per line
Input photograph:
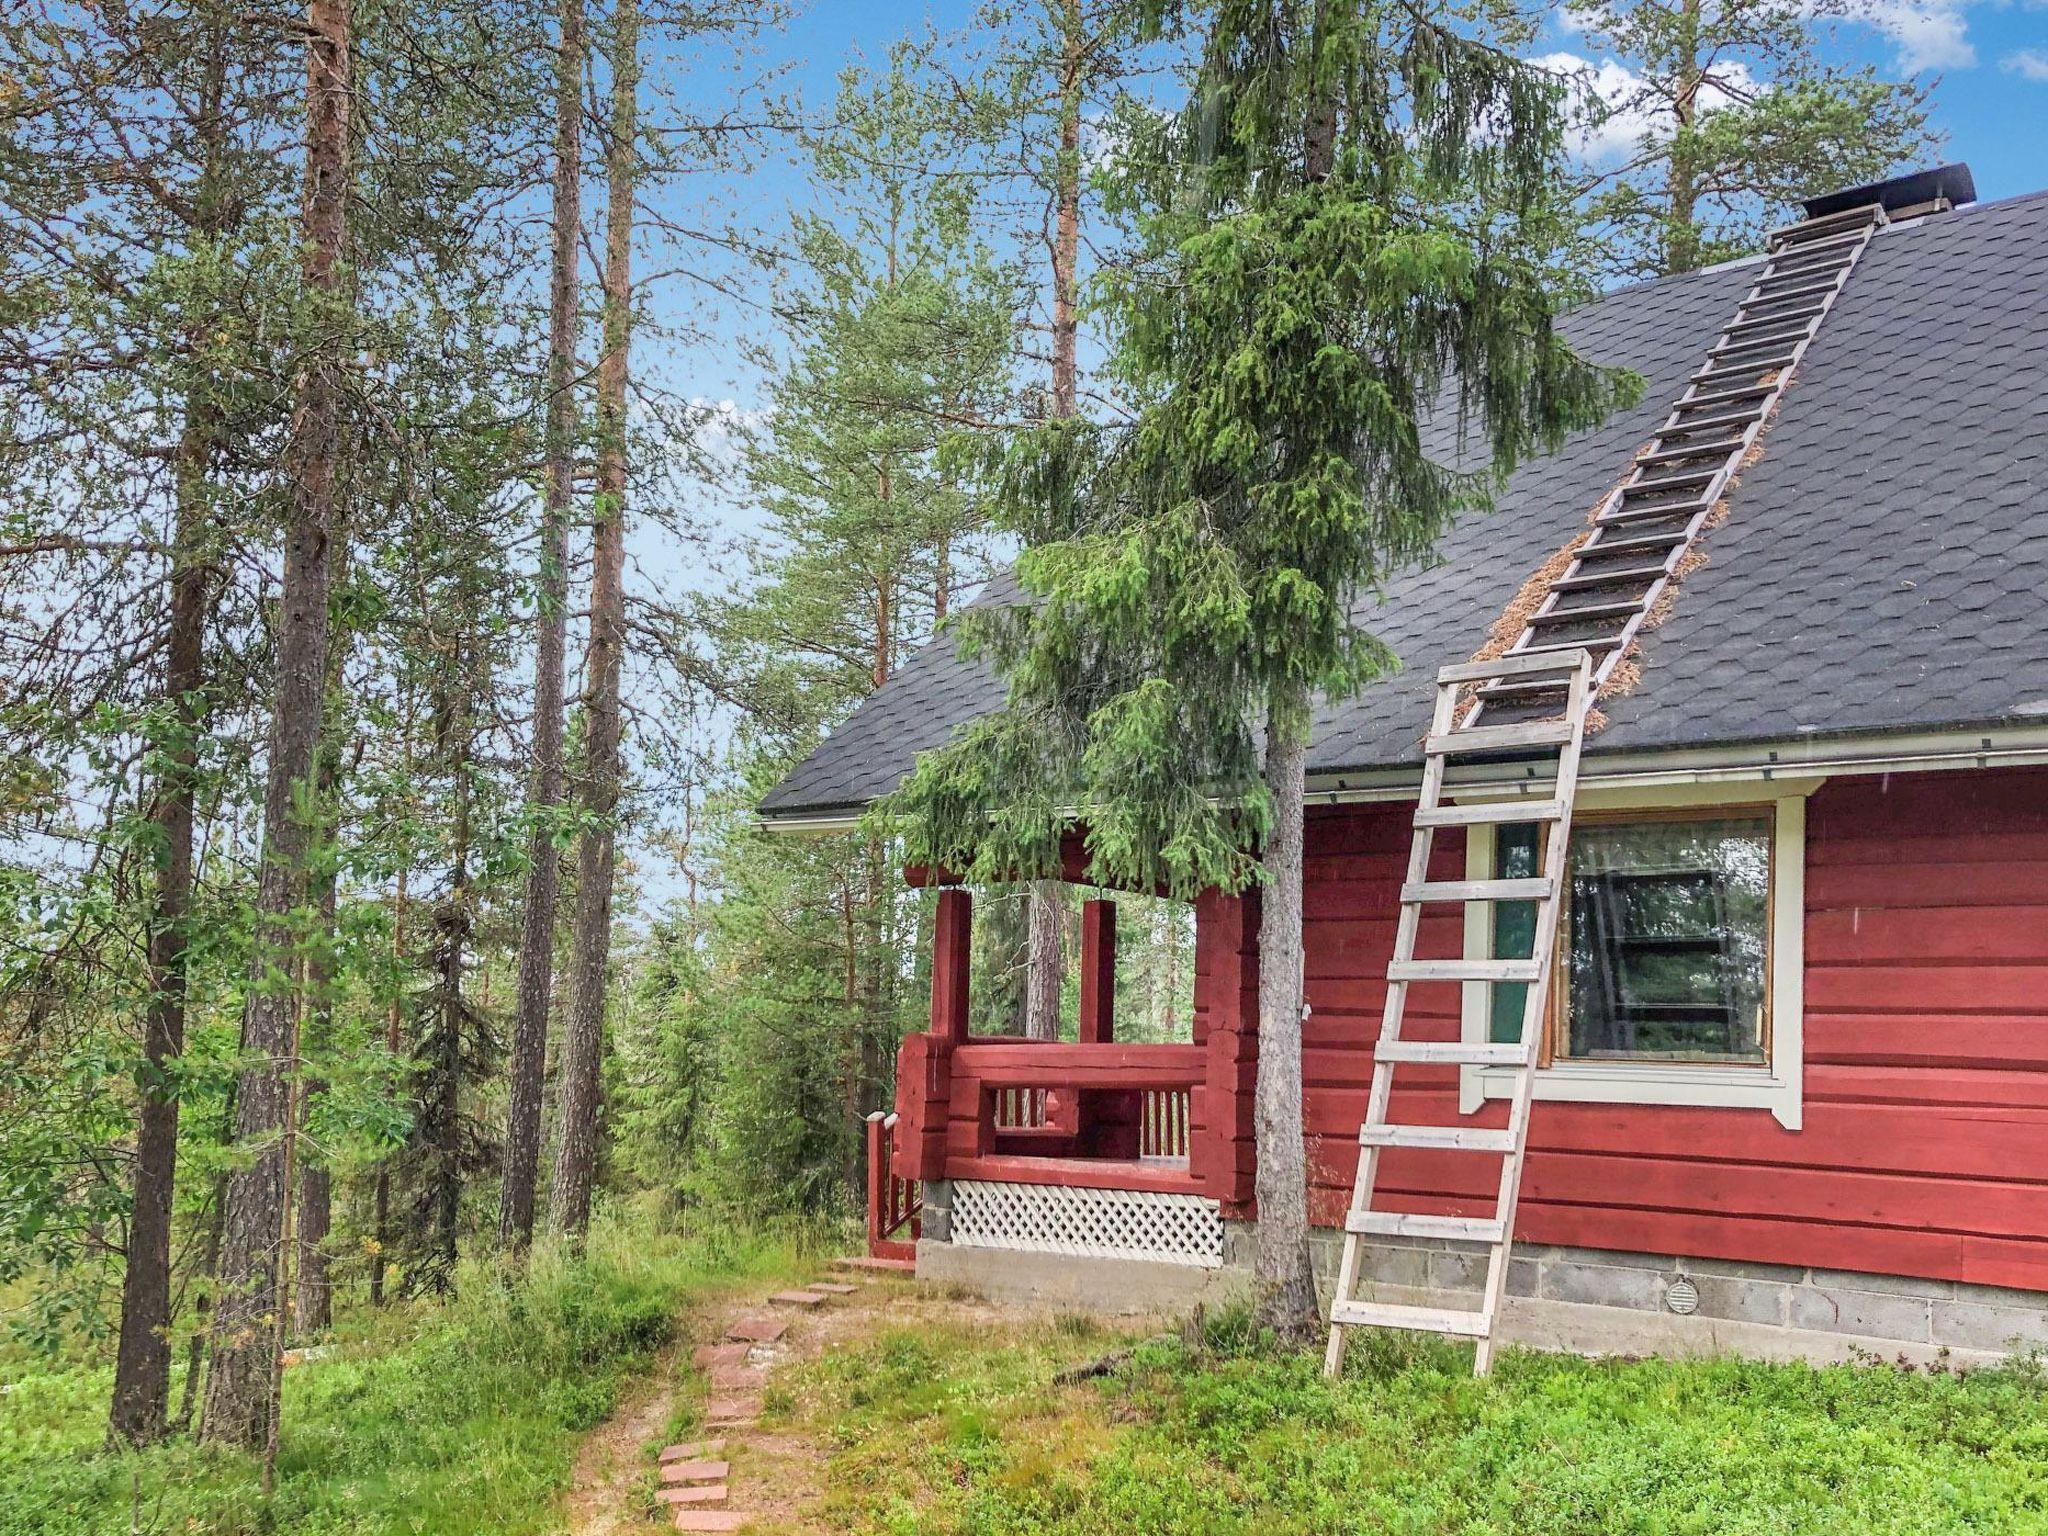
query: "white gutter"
2011, 746
1757, 762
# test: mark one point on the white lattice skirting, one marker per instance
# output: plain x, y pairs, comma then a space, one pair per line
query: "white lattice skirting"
1089, 1223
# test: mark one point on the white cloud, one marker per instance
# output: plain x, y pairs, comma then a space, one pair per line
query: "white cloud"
1628, 109
2028, 64
723, 428
1929, 34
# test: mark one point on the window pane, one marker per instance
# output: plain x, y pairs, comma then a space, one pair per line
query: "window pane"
1515, 856
1667, 928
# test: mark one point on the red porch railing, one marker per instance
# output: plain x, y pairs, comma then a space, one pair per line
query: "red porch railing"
1022, 1109
894, 1203
1094, 1113
1165, 1123
1050, 1112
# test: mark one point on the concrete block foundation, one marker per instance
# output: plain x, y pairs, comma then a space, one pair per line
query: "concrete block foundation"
1593, 1301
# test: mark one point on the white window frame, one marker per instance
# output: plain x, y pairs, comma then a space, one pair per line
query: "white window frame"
1777, 1085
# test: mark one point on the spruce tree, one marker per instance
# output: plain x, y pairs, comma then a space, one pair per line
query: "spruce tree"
1352, 225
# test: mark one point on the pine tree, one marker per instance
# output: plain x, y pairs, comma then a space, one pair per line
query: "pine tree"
900, 351
1354, 222
528, 1066
241, 1397
603, 767
1739, 115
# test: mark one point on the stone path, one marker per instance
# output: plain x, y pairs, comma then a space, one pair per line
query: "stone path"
696, 1475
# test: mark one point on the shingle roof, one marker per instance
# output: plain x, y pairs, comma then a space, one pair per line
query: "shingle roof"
1884, 566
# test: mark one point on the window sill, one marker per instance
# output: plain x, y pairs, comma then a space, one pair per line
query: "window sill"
1683, 1085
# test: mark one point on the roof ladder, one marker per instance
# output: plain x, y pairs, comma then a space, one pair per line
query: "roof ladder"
1534, 700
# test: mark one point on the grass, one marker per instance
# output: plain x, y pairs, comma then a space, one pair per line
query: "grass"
443, 1419
961, 1431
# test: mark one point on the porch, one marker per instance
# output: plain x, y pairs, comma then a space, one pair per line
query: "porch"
1093, 1148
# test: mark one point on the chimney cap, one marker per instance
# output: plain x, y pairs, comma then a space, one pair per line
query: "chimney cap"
1912, 190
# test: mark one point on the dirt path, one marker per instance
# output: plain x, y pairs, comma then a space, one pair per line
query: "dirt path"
776, 1475
603, 1491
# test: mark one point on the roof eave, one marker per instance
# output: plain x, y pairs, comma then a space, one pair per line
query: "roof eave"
2008, 744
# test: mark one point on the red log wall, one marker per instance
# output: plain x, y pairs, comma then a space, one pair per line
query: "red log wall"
1925, 1147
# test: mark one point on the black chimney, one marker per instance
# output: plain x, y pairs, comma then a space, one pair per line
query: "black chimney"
1917, 192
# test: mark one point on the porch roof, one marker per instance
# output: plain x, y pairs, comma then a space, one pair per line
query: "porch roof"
1883, 568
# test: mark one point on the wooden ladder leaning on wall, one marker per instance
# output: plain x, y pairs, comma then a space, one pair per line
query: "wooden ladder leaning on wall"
1542, 688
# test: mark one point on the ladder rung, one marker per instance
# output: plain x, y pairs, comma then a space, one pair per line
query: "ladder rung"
1382, 1314
1589, 643
1557, 616
1628, 514
1463, 970
1437, 1138
1635, 542
1491, 813
1721, 449
1500, 738
1534, 888
1712, 423
1818, 256
1787, 295
1460, 1053
1796, 334
1808, 247
1768, 322
1722, 397
1787, 276
1587, 581
1513, 664
1846, 218
1520, 690
1657, 485
1458, 1229
1739, 370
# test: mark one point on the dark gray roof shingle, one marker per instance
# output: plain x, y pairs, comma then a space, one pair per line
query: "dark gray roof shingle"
1884, 566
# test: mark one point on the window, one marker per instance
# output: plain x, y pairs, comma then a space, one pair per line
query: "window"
1667, 926
1680, 955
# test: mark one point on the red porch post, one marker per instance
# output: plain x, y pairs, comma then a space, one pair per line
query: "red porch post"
1098, 972
924, 1073
1227, 1014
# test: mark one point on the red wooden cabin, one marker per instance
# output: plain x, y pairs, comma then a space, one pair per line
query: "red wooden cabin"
1794, 1091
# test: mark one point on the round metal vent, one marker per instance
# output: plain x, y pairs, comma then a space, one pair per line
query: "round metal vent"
1682, 1297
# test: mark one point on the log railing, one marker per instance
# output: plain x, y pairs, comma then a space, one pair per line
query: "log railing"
1082, 1113
1022, 1109
1165, 1124
895, 1204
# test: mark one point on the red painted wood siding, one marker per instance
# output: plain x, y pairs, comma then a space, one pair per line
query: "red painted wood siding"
1925, 1148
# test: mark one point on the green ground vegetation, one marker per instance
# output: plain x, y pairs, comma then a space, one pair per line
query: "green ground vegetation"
966, 1431
455, 1418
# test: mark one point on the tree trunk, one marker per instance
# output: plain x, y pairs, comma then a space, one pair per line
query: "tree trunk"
394, 1039
527, 1067
313, 1304
1681, 229
239, 1400
142, 1365
1288, 1302
1066, 243
1319, 140
453, 923
313, 1308
1046, 966
202, 1307
1046, 954
590, 938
